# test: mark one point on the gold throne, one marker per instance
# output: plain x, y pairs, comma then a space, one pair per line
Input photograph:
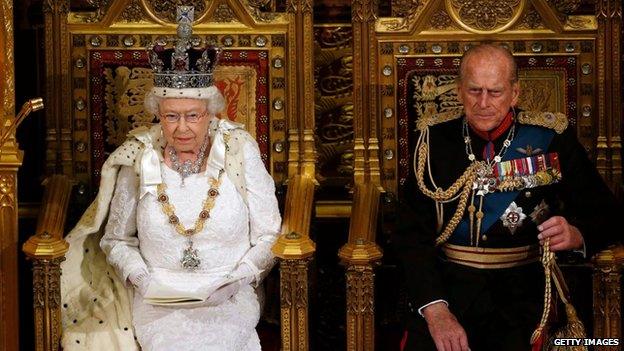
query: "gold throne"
97, 75
404, 69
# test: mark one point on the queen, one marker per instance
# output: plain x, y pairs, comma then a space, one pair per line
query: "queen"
185, 206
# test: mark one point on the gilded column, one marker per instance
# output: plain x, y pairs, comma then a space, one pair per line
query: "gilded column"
10, 161
295, 249
608, 266
57, 66
615, 15
360, 255
47, 250
301, 94
366, 142
609, 143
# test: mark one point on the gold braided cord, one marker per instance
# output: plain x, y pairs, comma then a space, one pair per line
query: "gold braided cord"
548, 258
463, 185
439, 194
457, 216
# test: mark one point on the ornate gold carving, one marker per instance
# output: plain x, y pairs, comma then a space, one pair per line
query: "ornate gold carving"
542, 90
485, 16
334, 106
294, 303
440, 20
223, 13
403, 8
133, 12
7, 91
295, 249
60, 6
7, 191
360, 290
8, 260
257, 7
435, 99
363, 10
46, 303
360, 255
101, 7
125, 91
607, 279
165, 10
408, 11
581, 22
531, 19
565, 6
10, 160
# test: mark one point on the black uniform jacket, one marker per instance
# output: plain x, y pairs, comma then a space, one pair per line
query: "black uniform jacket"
581, 197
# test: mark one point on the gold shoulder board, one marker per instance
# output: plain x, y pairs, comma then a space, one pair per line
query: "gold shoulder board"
428, 121
552, 120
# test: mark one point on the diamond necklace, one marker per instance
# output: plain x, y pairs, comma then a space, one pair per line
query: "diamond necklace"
484, 180
188, 167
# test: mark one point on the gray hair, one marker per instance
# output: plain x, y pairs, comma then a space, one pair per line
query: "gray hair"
489, 48
215, 102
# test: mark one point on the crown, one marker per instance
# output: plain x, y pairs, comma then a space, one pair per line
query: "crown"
185, 61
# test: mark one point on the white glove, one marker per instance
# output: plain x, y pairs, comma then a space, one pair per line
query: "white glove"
225, 292
140, 280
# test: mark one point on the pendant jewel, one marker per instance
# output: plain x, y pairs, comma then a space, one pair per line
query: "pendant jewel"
190, 257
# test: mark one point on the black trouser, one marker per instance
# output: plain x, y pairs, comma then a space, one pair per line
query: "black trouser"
499, 309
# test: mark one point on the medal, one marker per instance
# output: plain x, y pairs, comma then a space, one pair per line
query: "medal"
512, 217
540, 213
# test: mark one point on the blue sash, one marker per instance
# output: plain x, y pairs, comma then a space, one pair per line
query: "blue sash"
494, 204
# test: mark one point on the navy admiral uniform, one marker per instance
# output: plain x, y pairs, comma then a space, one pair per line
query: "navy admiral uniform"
488, 268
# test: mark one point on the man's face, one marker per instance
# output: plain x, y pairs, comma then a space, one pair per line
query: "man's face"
486, 90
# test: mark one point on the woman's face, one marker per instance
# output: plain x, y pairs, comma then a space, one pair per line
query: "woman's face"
184, 123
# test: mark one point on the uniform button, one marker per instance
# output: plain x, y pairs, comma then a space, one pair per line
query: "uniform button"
527, 193
484, 237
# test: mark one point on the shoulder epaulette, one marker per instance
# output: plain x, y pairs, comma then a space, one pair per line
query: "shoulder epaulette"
552, 120
428, 121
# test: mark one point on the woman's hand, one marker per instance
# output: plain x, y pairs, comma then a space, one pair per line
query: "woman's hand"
228, 290
224, 293
140, 280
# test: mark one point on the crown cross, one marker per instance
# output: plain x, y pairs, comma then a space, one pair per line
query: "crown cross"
179, 64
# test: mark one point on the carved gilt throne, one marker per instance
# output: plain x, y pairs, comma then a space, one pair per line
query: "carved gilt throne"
404, 69
97, 74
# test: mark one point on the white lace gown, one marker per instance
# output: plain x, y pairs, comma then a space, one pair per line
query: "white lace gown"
138, 237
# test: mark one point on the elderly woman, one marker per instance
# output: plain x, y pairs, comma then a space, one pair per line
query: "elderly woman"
192, 210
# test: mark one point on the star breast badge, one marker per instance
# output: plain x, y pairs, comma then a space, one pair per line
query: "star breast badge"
513, 217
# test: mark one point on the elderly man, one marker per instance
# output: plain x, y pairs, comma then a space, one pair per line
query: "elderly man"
487, 188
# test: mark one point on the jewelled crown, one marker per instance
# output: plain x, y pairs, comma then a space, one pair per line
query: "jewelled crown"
185, 61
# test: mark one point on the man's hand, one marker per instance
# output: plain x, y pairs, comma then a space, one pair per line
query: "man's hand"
563, 235
444, 328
